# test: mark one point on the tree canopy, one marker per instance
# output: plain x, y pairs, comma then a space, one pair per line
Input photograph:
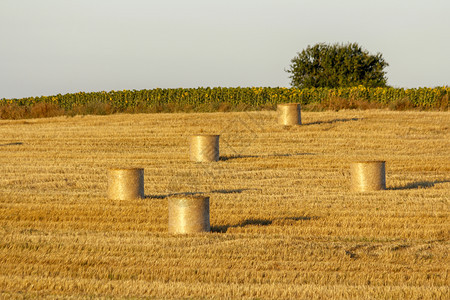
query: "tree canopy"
337, 65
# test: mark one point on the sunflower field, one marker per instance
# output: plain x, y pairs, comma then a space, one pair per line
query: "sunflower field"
423, 98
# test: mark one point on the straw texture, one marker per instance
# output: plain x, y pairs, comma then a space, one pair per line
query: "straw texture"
289, 114
125, 183
204, 148
189, 214
368, 176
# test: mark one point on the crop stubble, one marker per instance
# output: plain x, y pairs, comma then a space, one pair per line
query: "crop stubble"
285, 223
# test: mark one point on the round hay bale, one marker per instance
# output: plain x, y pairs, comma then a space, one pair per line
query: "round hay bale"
204, 148
368, 176
189, 214
125, 183
289, 114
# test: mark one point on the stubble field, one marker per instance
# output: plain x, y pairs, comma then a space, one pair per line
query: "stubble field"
284, 222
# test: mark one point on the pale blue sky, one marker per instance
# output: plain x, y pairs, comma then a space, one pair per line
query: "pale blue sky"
61, 46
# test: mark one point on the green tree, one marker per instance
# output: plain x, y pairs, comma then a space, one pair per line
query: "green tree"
337, 65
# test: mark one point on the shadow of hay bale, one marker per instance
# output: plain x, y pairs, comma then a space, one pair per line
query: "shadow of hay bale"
332, 121
11, 144
418, 185
261, 222
231, 157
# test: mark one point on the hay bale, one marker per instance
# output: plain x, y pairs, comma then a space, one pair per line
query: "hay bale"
125, 183
368, 176
189, 214
289, 114
204, 148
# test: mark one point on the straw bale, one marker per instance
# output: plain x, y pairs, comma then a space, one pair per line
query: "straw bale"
289, 114
368, 176
204, 148
125, 183
189, 214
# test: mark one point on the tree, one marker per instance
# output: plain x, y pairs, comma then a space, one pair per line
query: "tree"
337, 65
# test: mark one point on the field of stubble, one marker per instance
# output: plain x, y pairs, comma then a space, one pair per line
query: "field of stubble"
284, 222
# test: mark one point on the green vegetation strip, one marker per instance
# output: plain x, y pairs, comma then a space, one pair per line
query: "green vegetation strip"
422, 98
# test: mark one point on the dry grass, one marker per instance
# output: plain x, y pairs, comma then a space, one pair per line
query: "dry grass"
285, 224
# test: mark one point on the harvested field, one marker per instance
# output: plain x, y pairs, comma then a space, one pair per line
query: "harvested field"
285, 223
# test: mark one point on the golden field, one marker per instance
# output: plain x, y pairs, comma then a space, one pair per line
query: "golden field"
285, 224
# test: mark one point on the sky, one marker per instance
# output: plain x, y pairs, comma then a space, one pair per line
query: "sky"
63, 46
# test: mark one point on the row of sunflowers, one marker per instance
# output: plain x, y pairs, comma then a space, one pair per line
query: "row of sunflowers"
253, 96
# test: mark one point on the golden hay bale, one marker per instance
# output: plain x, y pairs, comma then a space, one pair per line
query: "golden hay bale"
368, 176
204, 148
289, 114
125, 183
189, 214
